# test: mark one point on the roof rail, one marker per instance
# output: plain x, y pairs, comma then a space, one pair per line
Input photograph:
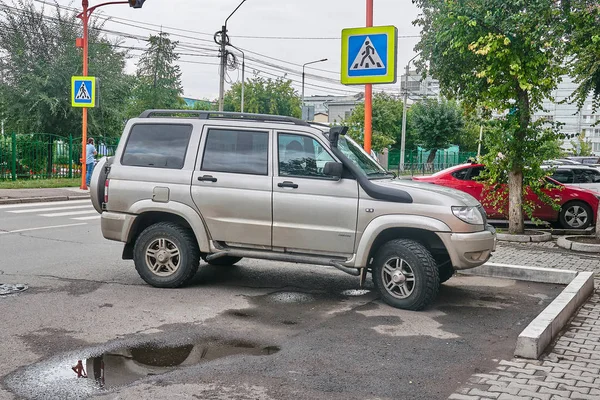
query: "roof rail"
225, 115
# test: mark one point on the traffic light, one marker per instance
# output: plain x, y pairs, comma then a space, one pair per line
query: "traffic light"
136, 3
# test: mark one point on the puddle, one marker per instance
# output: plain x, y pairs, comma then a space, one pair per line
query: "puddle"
355, 292
83, 375
6, 289
290, 297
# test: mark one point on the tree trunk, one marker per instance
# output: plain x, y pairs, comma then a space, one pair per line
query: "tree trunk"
431, 156
515, 202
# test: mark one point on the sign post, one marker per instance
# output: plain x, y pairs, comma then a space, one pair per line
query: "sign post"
369, 56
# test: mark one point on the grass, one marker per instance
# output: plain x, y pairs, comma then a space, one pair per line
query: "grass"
40, 183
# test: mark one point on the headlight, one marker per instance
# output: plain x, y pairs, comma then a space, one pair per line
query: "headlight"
470, 215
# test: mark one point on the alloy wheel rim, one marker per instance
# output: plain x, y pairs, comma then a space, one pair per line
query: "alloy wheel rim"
398, 278
163, 257
576, 216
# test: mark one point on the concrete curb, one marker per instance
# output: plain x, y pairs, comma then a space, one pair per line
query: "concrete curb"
566, 243
543, 237
534, 339
43, 199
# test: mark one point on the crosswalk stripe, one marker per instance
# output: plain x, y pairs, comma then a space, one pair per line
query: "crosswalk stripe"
65, 214
50, 209
41, 228
47, 203
87, 218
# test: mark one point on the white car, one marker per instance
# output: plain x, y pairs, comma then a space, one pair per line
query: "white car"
582, 176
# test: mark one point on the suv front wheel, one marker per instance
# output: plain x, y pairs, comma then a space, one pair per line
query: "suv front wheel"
166, 255
406, 274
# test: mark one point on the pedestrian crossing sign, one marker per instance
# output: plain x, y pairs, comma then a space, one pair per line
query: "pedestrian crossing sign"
83, 91
369, 55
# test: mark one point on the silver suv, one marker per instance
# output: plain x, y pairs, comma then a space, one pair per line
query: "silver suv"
223, 186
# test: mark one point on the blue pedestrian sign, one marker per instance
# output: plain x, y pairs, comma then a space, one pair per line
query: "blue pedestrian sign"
83, 91
369, 55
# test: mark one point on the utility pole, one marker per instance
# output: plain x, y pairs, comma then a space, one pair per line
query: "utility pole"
223, 41
304, 65
404, 112
243, 74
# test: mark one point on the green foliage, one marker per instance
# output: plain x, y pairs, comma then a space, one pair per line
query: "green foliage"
158, 79
387, 123
437, 124
264, 96
503, 56
38, 59
582, 147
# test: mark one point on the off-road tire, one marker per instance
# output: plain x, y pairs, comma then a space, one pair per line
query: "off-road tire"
569, 206
424, 269
446, 272
189, 254
223, 261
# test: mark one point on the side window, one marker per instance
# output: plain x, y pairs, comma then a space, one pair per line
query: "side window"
475, 172
236, 151
461, 174
157, 146
563, 175
587, 176
301, 156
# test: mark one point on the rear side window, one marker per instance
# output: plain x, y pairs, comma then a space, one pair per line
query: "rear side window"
157, 146
236, 151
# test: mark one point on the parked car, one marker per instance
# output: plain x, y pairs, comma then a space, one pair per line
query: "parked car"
578, 207
186, 185
582, 176
585, 160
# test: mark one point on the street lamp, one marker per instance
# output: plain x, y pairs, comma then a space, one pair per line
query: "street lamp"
243, 70
304, 65
404, 109
85, 17
224, 41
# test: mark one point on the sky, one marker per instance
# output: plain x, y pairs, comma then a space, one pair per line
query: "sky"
253, 28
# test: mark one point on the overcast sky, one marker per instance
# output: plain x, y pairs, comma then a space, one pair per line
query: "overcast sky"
263, 18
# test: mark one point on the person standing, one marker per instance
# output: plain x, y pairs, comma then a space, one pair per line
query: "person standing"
90, 153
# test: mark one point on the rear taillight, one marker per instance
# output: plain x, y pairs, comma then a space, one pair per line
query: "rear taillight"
106, 182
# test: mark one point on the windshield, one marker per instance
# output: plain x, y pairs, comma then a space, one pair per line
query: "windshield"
360, 158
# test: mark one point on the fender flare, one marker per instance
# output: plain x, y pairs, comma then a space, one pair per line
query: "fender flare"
192, 217
380, 224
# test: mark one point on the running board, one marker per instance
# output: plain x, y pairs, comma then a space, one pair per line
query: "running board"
285, 257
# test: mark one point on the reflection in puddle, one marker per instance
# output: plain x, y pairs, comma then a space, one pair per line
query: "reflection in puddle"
119, 367
355, 292
291, 297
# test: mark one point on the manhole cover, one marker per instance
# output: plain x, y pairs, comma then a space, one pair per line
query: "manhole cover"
6, 289
291, 297
81, 376
355, 292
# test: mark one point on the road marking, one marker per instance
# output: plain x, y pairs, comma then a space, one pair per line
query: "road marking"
47, 203
64, 214
41, 228
87, 218
49, 209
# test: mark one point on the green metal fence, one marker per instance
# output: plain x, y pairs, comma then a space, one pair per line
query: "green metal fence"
415, 162
44, 156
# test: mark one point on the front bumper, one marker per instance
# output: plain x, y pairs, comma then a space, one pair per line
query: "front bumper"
469, 250
116, 226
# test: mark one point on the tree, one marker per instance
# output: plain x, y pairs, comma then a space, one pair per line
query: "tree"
38, 59
158, 78
264, 96
507, 56
437, 124
581, 147
387, 123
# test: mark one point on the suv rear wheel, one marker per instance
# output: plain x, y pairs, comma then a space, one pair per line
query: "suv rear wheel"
406, 274
166, 255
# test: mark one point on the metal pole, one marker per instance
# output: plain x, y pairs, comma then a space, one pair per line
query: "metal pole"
480, 139
303, 76
404, 111
369, 93
243, 79
13, 166
84, 16
222, 68
70, 156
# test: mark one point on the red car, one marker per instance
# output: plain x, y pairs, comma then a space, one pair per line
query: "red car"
578, 206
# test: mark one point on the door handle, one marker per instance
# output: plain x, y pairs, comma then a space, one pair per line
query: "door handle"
207, 178
287, 184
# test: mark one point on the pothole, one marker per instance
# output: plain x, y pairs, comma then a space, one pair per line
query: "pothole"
290, 297
83, 375
355, 292
6, 288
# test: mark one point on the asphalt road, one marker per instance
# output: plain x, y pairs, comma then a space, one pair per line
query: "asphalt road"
261, 330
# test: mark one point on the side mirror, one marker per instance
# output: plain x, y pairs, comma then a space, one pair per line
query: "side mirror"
334, 169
